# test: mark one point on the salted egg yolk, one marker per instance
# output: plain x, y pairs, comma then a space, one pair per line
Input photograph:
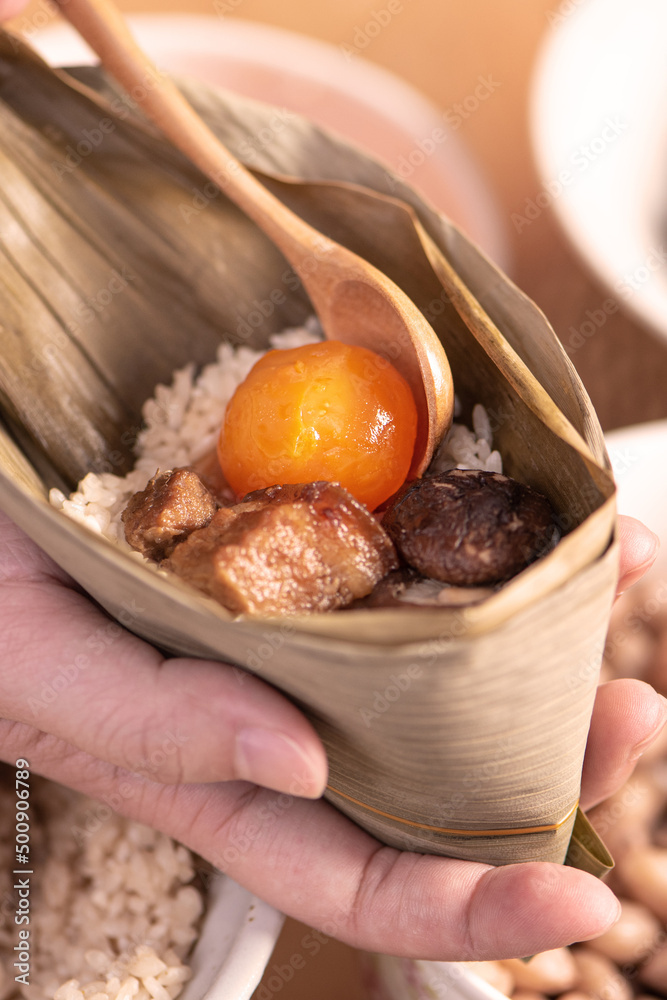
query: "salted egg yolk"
326, 411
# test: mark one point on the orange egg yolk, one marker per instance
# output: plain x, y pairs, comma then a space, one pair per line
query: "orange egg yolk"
326, 411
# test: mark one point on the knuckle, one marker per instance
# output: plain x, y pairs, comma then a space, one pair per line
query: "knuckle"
136, 744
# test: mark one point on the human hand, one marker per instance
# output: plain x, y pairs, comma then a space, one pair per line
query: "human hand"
180, 745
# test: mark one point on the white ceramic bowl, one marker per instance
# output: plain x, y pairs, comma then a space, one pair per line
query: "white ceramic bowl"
362, 102
238, 937
599, 133
390, 978
639, 457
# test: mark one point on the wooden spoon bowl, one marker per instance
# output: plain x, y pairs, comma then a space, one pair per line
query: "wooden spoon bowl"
355, 302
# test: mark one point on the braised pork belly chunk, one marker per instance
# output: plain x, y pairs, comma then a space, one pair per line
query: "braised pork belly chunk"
287, 550
172, 505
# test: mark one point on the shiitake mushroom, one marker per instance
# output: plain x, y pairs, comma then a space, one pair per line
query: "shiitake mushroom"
467, 527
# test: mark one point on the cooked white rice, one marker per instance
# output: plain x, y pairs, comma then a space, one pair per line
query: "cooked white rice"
112, 915
182, 423
464, 448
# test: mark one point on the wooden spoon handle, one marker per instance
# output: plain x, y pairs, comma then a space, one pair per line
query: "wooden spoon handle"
105, 30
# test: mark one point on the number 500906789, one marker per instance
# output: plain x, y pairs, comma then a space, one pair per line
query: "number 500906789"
22, 815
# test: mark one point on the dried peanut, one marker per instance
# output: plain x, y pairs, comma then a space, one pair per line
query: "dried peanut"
625, 819
653, 972
657, 672
632, 938
549, 972
643, 872
599, 977
630, 654
494, 973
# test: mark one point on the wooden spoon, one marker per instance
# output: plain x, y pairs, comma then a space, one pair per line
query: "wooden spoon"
355, 302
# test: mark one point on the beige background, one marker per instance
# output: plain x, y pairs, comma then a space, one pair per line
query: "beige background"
443, 47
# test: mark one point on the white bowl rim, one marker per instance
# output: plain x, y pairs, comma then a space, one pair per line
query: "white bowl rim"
238, 935
630, 176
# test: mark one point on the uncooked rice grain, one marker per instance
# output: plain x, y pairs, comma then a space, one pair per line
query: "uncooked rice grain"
112, 913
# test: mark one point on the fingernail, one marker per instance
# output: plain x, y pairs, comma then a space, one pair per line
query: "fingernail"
656, 543
645, 555
659, 718
272, 759
650, 547
617, 913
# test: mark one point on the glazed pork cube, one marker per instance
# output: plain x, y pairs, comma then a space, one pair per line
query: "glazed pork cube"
172, 505
287, 550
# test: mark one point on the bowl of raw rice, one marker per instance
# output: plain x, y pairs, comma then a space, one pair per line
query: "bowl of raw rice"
119, 911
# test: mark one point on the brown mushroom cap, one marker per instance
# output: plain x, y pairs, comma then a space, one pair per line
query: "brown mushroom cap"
470, 528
